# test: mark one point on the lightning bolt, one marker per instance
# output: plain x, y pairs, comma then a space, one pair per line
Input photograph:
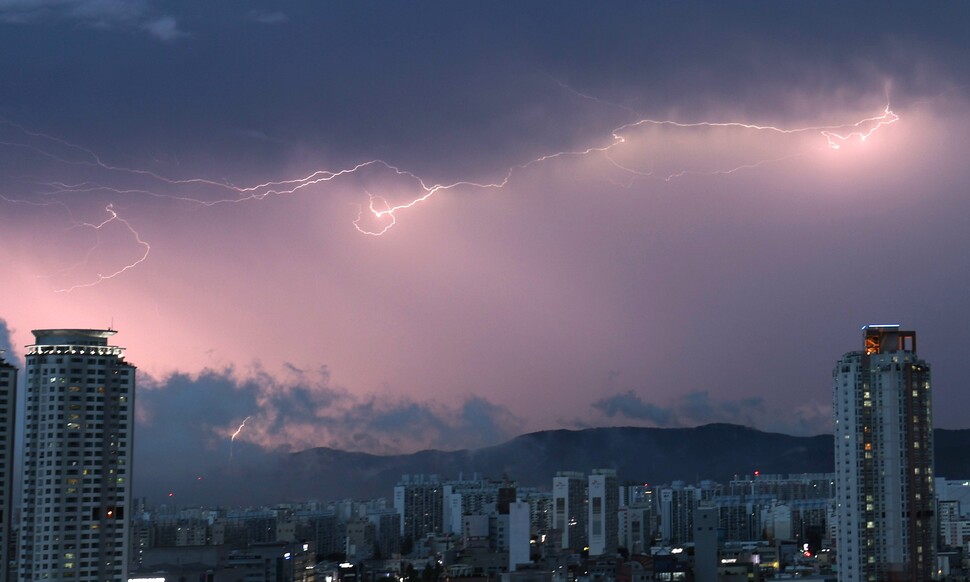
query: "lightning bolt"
112, 217
378, 209
232, 438
835, 136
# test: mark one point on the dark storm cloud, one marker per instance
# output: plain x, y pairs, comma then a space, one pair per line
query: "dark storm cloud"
268, 16
699, 407
105, 14
94, 11
183, 434
164, 27
491, 422
5, 344
201, 412
629, 405
688, 409
474, 86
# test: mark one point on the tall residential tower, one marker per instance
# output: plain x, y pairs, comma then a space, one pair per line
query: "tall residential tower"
603, 508
569, 509
8, 411
884, 460
77, 458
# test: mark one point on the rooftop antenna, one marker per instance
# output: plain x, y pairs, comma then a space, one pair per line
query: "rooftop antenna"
111, 327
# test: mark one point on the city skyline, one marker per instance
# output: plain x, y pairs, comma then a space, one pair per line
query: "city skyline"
707, 265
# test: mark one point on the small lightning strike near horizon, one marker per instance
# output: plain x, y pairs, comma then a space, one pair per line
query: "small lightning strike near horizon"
232, 438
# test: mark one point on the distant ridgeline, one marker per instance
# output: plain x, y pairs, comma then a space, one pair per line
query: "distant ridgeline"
717, 452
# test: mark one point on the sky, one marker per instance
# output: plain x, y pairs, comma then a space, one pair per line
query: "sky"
389, 226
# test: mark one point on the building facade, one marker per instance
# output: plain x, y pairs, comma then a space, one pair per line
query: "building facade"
78, 443
387, 528
677, 513
519, 534
8, 413
705, 524
419, 499
603, 507
886, 527
569, 509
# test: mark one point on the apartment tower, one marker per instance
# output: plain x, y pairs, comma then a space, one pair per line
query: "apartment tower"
8, 412
569, 509
77, 458
419, 499
603, 506
885, 526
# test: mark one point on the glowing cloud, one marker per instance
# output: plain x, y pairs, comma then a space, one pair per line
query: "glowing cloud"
380, 214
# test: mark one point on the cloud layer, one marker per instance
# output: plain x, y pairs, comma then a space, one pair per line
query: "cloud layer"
104, 14
298, 410
700, 407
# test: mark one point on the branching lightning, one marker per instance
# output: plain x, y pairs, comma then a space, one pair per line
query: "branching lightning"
378, 210
113, 217
835, 136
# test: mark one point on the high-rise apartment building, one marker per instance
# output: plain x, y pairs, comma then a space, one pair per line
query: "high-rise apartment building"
387, 528
419, 499
569, 509
8, 413
519, 534
884, 460
603, 507
468, 497
677, 513
77, 458
705, 526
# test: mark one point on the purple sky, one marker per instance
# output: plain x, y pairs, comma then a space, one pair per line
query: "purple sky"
689, 274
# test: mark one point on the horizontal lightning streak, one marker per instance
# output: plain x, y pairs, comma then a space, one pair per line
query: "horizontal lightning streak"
378, 207
834, 134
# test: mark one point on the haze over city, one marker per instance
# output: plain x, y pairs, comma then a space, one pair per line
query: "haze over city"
650, 223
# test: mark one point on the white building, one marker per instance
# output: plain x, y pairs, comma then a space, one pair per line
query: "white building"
451, 508
953, 519
705, 525
77, 458
519, 534
885, 503
955, 490
779, 522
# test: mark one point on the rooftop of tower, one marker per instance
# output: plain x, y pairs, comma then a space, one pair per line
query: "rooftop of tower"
888, 338
94, 337
71, 341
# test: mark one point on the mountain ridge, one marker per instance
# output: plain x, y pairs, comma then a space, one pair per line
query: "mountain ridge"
717, 452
